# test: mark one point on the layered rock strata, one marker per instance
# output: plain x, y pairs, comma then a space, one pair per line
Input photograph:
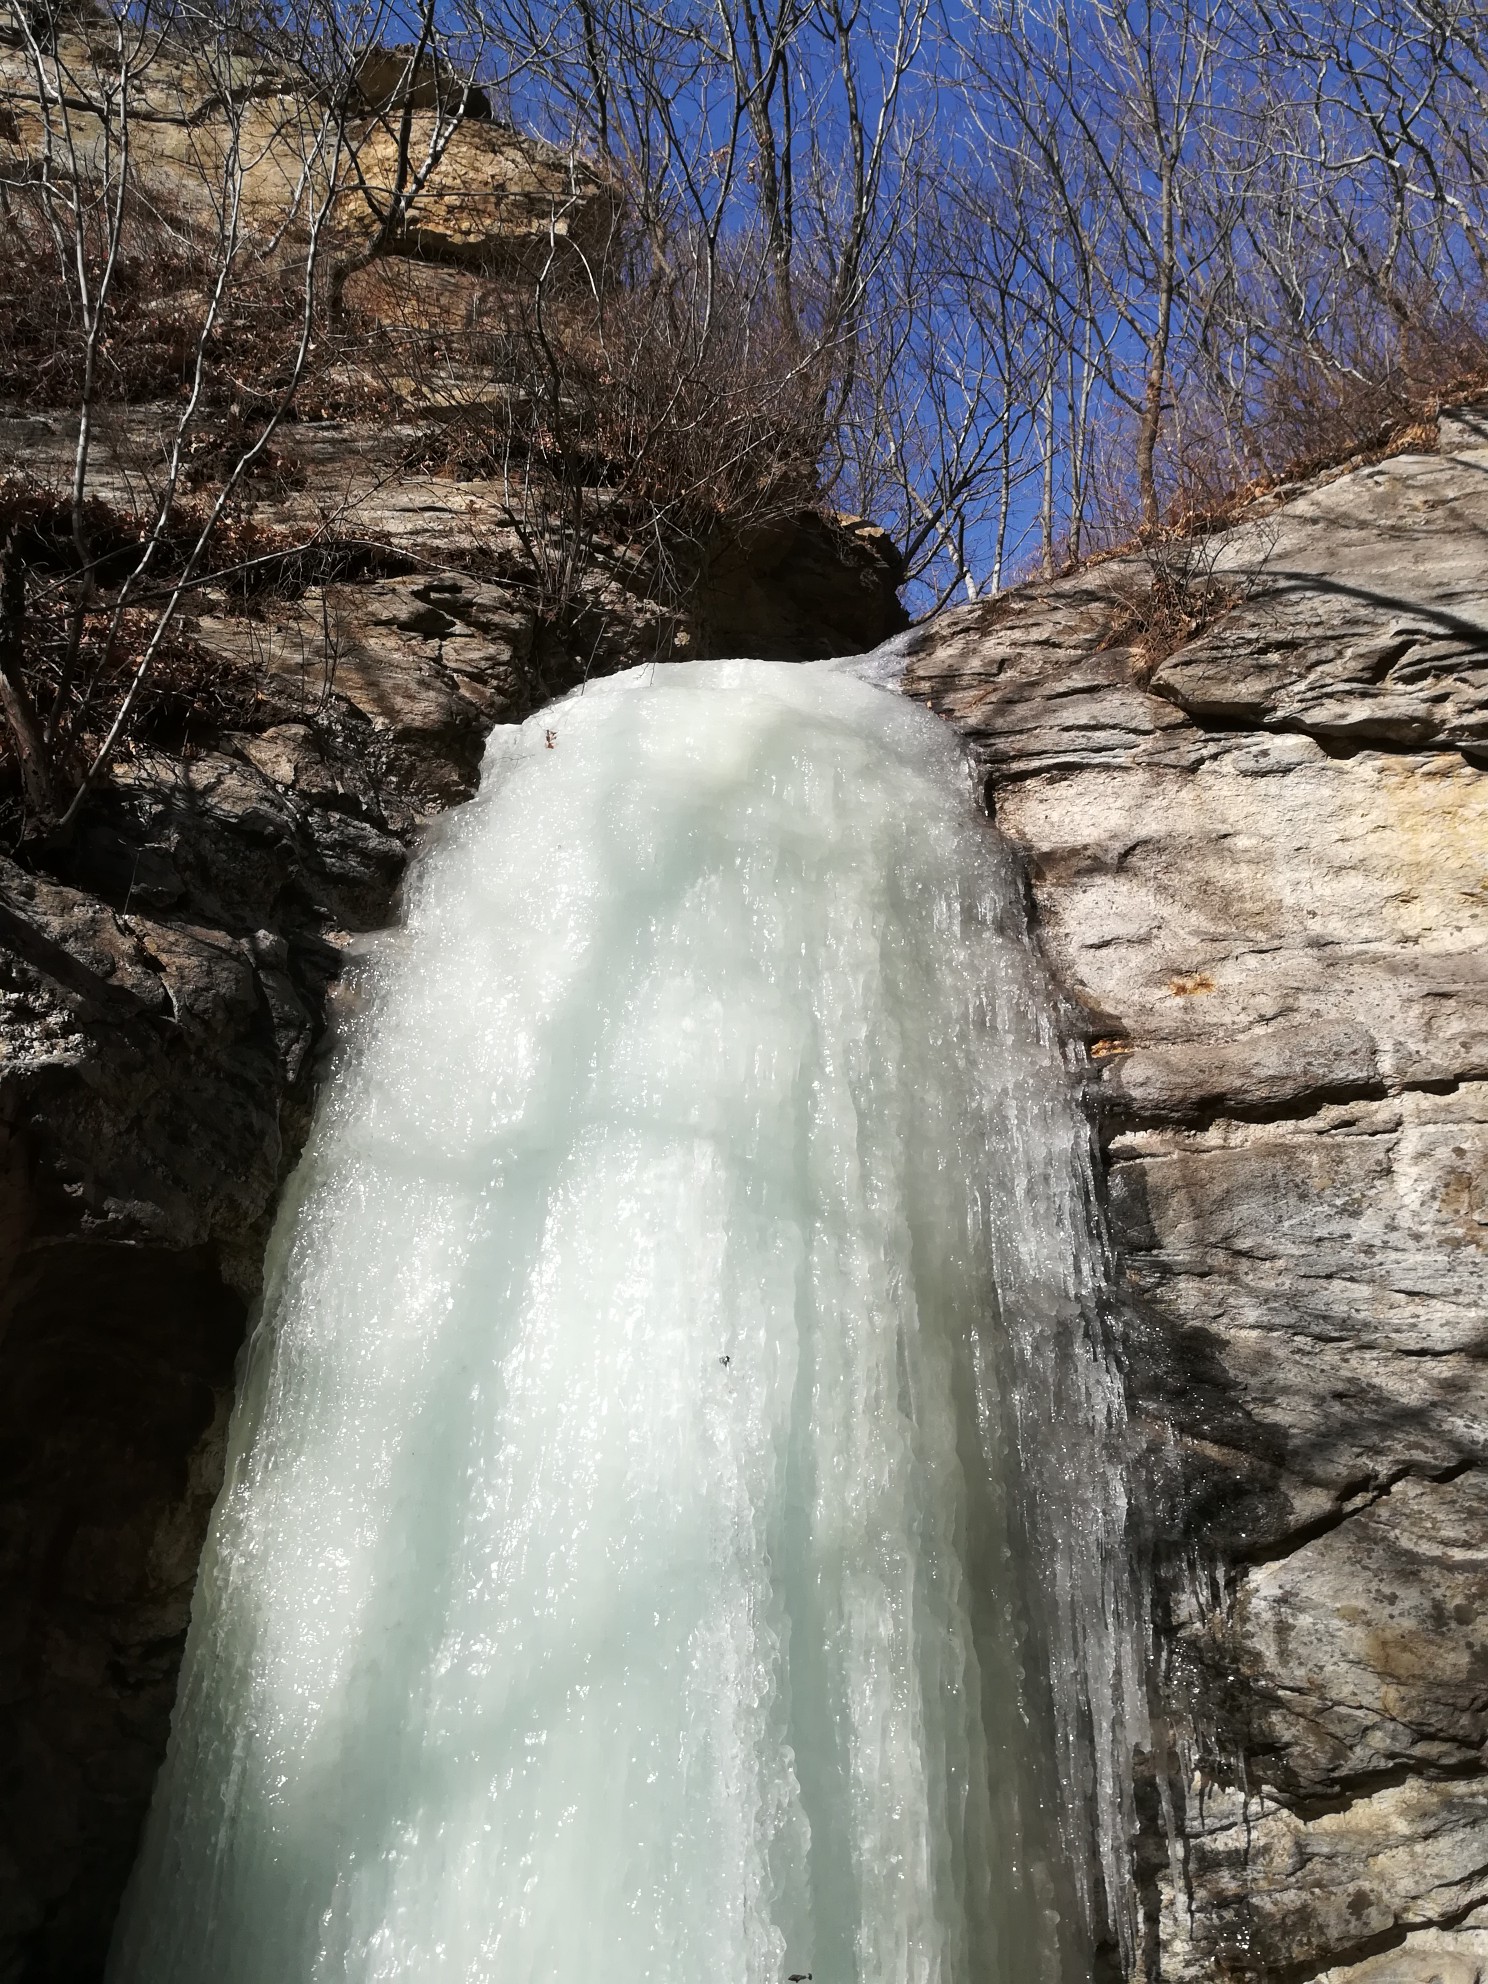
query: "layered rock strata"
1257, 843
490, 199
1256, 825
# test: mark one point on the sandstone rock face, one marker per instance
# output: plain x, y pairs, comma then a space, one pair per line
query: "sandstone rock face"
493, 200
1259, 859
1260, 870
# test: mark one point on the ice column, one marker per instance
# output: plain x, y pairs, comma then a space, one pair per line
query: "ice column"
664, 1462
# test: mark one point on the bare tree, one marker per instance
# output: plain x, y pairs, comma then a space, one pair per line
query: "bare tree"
280, 181
694, 366
1024, 285
1106, 114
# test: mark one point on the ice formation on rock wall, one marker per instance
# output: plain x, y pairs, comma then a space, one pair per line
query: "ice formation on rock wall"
668, 1528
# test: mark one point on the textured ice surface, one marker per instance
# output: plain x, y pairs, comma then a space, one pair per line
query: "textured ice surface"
622, 1574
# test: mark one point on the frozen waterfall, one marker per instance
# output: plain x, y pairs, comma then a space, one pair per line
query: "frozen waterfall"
667, 1528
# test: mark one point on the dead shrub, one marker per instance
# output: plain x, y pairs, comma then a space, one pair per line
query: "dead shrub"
636, 419
156, 308
1373, 390
79, 651
167, 266
1176, 595
1390, 362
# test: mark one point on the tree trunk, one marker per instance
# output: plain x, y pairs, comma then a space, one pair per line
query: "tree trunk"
1157, 364
20, 711
1046, 505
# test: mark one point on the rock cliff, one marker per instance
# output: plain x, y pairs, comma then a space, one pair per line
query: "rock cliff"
495, 198
1256, 828
1253, 803
1248, 779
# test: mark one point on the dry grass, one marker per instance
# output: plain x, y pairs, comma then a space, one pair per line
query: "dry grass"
1213, 504
156, 314
1178, 594
1414, 431
1375, 392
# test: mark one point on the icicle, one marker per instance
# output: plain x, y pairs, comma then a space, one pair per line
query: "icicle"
672, 1507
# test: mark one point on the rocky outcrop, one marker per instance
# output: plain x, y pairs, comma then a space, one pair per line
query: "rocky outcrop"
1257, 844
204, 117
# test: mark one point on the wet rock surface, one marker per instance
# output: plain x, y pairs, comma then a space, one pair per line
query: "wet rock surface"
1259, 860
